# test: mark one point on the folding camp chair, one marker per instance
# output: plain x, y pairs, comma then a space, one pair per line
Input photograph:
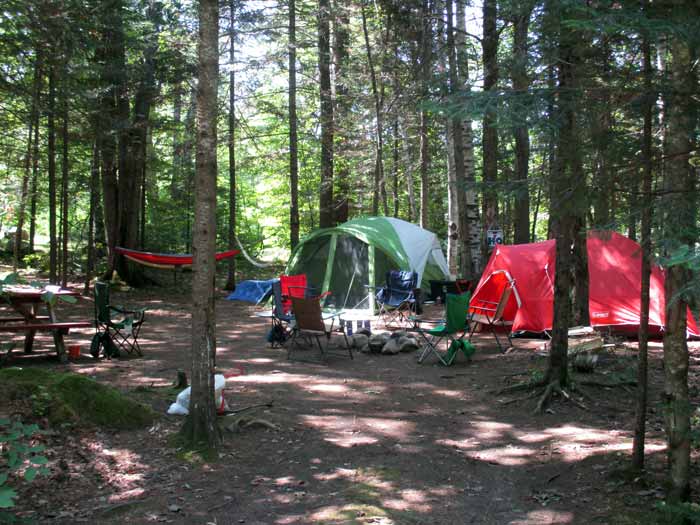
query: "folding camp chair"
398, 297
490, 313
124, 333
283, 290
452, 329
310, 324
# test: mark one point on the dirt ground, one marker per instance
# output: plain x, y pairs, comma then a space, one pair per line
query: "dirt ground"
376, 440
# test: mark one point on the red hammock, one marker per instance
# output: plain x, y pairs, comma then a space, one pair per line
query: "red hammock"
165, 260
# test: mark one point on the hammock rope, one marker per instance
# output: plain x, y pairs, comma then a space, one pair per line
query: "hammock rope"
257, 264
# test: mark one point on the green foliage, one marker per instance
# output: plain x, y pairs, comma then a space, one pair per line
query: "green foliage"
18, 453
73, 398
678, 514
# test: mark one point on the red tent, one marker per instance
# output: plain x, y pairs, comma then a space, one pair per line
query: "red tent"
614, 270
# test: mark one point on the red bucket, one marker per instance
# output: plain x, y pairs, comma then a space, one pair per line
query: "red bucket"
74, 351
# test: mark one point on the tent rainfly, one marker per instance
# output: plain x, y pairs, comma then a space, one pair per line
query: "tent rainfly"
614, 273
347, 258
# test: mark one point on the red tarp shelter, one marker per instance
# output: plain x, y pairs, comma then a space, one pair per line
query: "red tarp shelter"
614, 270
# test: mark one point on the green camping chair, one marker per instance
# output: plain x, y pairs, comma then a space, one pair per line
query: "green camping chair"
124, 332
452, 329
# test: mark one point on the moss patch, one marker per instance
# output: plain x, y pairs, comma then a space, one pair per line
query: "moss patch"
67, 397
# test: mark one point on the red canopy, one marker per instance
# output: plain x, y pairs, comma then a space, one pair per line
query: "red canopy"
614, 271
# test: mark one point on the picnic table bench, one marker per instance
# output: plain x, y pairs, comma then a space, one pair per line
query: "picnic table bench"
26, 301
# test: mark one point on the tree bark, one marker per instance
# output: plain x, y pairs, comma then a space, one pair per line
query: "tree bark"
470, 230
521, 84
567, 186
293, 139
426, 56
490, 130
94, 197
457, 220
51, 131
343, 104
231, 269
201, 429
379, 193
326, 215
679, 221
31, 133
647, 177
33, 191
64, 181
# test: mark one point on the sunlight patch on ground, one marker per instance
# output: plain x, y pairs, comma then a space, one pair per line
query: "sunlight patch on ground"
346, 431
456, 394
542, 517
507, 456
462, 444
328, 389
491, 429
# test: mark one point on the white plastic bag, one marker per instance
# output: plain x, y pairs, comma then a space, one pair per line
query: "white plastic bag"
182, 403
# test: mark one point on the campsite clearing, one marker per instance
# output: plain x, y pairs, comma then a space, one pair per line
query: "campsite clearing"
378, 439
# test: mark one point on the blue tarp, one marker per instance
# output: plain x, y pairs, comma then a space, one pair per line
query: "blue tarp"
251, 291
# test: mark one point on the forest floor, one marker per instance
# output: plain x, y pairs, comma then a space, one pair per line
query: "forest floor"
376, 440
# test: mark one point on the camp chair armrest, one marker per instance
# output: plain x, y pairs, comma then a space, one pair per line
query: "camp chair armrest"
481, 309
140, 312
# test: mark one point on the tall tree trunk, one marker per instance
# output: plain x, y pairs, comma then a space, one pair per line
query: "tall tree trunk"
425, 63
31, 133
188, 166
94, 198
521, 83
326, 212
343, 119
679, 222
566, 188
379, 193
647, 176
293, 139
51, 131
201, 429
490, 131
175, 181
231, 274
395, 167
33, 192
64, 181
408, 162
133, 145
458, 225
471, 229
602, 123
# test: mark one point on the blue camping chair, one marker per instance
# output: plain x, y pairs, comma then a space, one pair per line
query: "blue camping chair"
398, 298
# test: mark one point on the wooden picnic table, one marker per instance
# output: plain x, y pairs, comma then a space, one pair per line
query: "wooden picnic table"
28, 302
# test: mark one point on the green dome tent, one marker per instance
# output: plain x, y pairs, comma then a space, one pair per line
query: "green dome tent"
347, 258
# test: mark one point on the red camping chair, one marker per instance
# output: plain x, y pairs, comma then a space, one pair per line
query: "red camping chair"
491, 313
292, 286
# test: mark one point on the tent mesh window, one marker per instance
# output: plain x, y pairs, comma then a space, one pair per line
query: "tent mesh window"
312, 261
350, 273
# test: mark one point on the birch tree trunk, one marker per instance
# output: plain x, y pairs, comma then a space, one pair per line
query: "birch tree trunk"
470, 239
201, 428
